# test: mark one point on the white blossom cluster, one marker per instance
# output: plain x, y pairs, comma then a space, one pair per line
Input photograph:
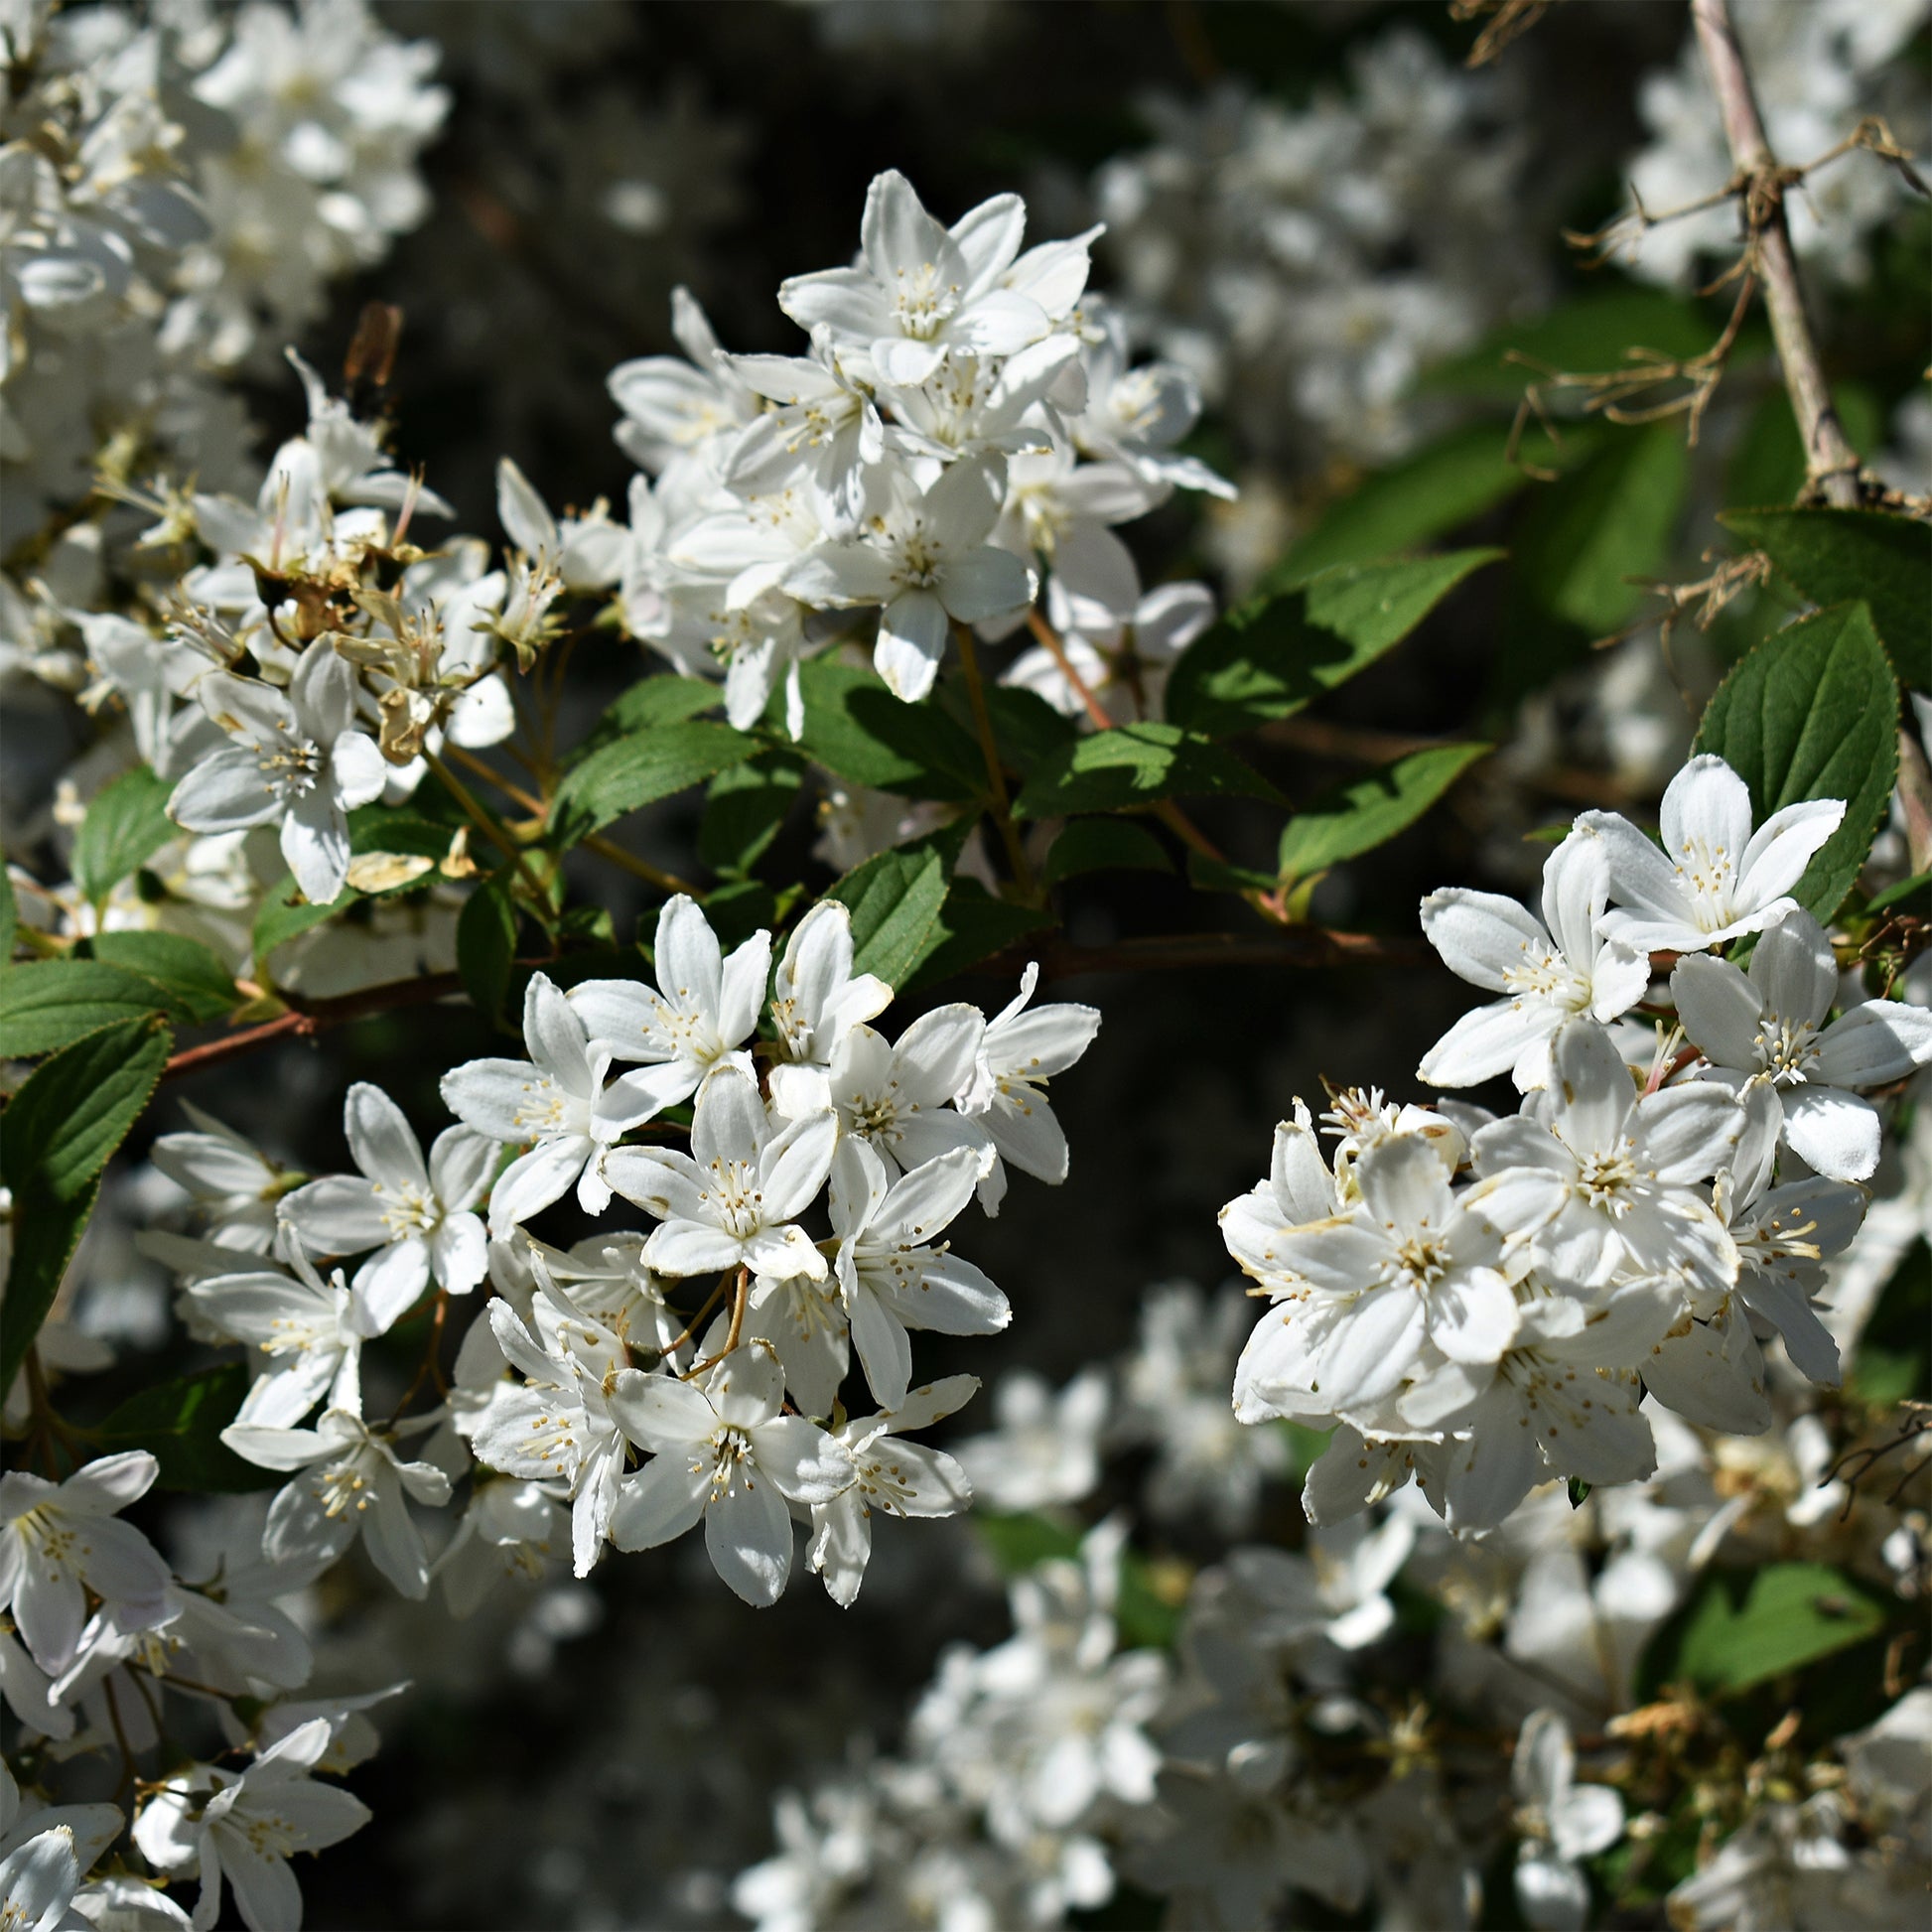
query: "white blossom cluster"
1818, 67
1482, 1302
180, 187
1312, 261
965, 426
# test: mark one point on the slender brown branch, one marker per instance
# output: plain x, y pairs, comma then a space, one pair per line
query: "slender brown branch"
996, 777
1830, 462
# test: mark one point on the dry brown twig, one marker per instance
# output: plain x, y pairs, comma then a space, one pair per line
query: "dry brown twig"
1509, 21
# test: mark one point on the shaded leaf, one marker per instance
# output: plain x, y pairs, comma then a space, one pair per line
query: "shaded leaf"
46, 1004
630, 772
486, 944
1136, 764
972, 926
126, 823
1813, 713
656, 700
179, 1424
198, 985
1353, 818
860, 733
1103, 845
284, 914
743, 809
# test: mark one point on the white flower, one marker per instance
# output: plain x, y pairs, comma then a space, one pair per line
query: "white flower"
735, 1198
589, 550
1561, 1821
923, 289
817, 999
924, 559
679, 409
1333, 1589
57, 1537
696, 1018
897, 1095
893, 1276
556, 1099
896, 1476
1121, 648
1603, 1181
36, 1884
308, 1332
724, 1452
1018, 1052
1549, 971
228, 1177
349, 1481
1044, 1447
510, 1531
1714, 878
826, 427
557, 1428
300, 762
1771, 1023
245, 1828
417, 1217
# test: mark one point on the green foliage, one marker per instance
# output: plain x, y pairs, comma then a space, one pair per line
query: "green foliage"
1357, 818
895, 898
56, 1135
1136, 764
198, 985
179, 1424
1836, 556
1278, 652
1813, 713
743, 809
46, 1003
1745, 1627
650, 701
972, 926
1768, 463
1582, 543
9, 919
485, 943
1103, 845
127, 822
860, 732
1030, 731
284, 914
656, 761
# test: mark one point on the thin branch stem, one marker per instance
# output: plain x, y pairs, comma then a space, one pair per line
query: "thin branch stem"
996, 777
485, 822
1830, 459
741, 1294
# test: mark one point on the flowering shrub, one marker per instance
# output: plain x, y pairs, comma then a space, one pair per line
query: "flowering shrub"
1583, 1373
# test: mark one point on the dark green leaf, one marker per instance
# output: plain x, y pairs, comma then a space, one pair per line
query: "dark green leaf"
1920, 884
127, 822
284, 913
1427, 496
744, 808
860, 733
48, 1003
56, 1136
1768, 463
1813, 713
896, 898
1136, 764
1746, 1626
737, 910
972, 926
1355, 819
198, 985
387, 828
1833, 556
1217, 875
486, 944
1579, 544
1027, 727
629, 773
1279, 651
9, 919
179, 1424
1103, 845
657, 700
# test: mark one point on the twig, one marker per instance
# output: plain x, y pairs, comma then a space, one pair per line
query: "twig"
996, 777
1830, 462
1513, 17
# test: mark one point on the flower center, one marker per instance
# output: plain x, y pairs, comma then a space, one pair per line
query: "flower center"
1787, 1050
291, 768
736, 1198
1606, 1178
1709, 872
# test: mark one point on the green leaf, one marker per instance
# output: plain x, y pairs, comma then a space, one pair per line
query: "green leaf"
48, 1003
1813, 713
56, 1135
388, 828
1281, 651
737, 910
630, 772
486, 944
1768, 463
126, 823
198, 985
1136, 764
1028, 729
659, 700
896, 898
1746, 1626
1593, 332
9, 919
860, 733
972, 926
284, 914
1217, 875
1103, 845
1429, 494
1833, 556
1350, 819
179, 1424
1903, 889
743, 809
1579, 544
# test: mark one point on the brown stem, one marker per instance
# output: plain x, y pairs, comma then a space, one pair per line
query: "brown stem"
741, 1294
996, 777
486, 823
1830, 459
